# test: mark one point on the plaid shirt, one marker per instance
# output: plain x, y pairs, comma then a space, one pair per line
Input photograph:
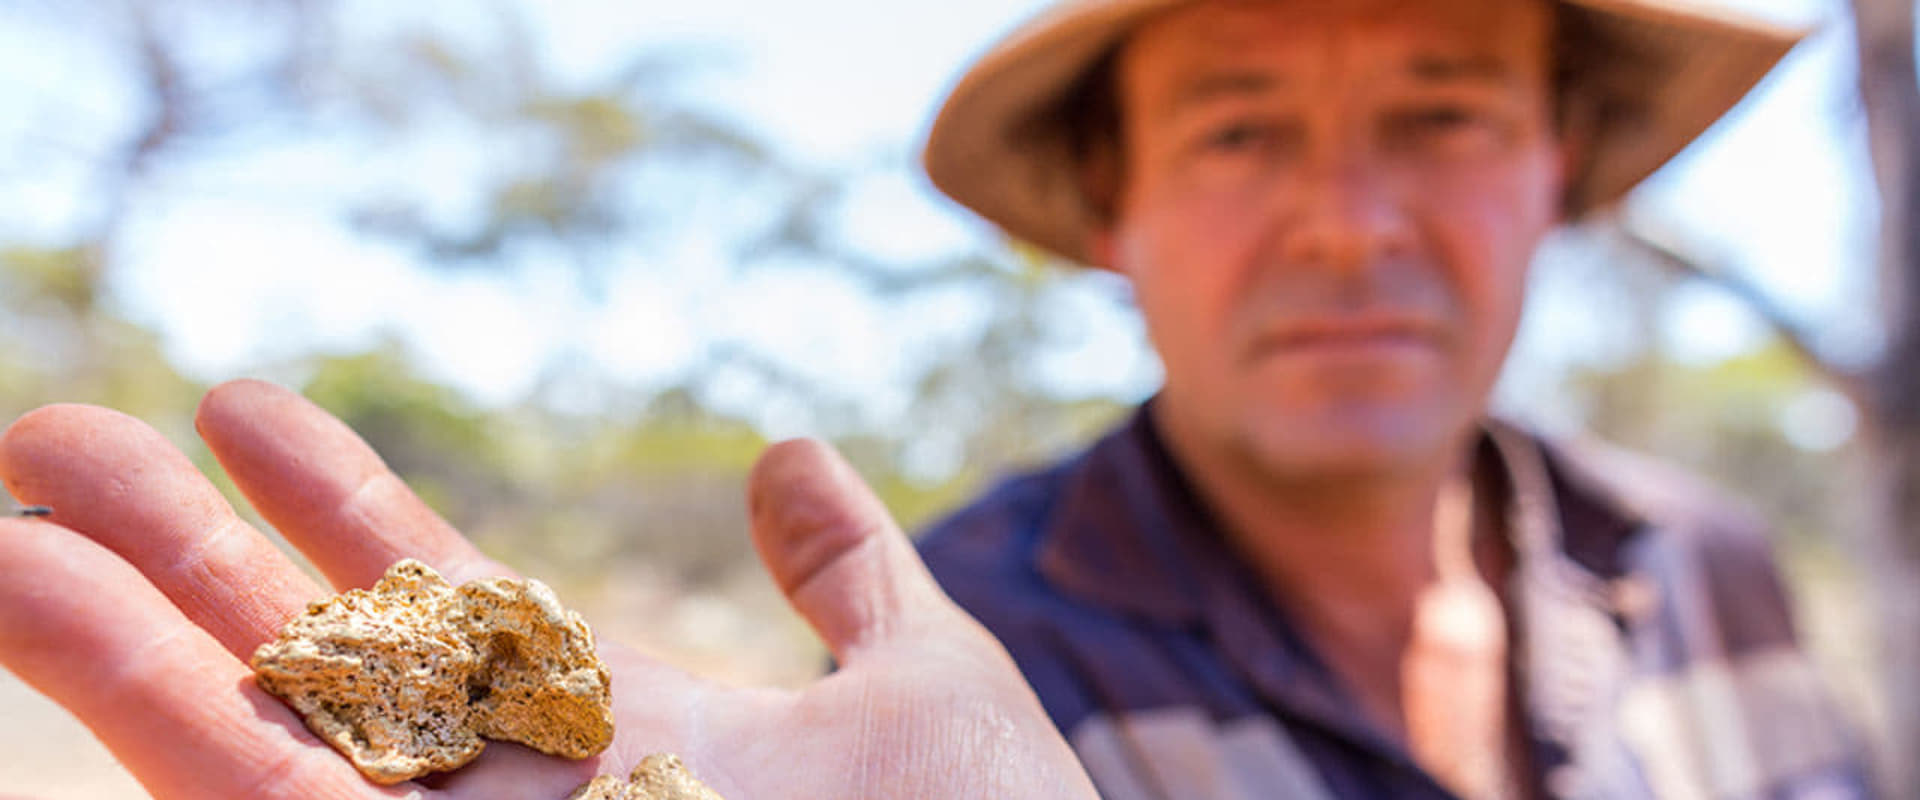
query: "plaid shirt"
1653, 648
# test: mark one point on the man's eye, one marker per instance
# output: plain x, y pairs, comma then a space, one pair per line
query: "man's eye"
1443, 118
1450, 128
1242, 136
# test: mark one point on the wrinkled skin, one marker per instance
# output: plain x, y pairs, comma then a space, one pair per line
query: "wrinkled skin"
135, 604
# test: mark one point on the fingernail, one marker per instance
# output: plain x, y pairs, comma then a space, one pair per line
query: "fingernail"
34, 511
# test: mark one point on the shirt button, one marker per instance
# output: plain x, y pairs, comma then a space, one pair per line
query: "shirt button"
1635, 598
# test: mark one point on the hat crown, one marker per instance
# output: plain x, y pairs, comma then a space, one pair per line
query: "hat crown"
1666, 70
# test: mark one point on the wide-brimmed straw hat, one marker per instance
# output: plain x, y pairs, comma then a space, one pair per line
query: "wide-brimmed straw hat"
1000, 146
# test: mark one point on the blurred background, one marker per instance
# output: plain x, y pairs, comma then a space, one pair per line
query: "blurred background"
569, 265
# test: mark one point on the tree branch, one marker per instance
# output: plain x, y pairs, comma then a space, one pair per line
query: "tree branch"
1781, 321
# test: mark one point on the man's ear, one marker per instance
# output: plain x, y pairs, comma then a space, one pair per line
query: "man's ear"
1575, 132
1573, 153
1099, 174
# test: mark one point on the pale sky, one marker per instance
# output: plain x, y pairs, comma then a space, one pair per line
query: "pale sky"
234, 275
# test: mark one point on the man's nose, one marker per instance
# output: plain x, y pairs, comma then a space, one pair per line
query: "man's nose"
1345, 215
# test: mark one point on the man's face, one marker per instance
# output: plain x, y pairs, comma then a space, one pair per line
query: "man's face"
1327, 208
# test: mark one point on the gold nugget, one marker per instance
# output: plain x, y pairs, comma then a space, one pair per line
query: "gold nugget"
659, 777
413, 676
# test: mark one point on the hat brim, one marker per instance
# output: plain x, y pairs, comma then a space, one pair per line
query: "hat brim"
1681, 68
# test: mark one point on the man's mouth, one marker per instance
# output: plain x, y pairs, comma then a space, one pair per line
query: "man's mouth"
1342, 335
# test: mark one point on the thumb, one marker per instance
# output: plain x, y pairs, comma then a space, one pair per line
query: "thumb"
837, 554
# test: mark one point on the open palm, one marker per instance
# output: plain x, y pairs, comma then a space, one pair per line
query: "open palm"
137, 603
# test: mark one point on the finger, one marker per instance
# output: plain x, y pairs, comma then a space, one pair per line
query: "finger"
85, 628
325, 490
837, 554
119, 482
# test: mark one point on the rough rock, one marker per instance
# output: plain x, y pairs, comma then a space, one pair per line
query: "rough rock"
659, 777
540, 683
406, 678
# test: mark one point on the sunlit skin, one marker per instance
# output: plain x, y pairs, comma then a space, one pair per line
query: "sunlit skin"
1327, 209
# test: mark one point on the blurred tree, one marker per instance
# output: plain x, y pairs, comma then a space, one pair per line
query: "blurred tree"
1885, 389
58, 344
577, 178
567, 168
591, 169
452, 454
1726, 420
1890, 398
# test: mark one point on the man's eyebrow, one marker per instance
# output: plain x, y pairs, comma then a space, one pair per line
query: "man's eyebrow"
1210, 86
1449, 68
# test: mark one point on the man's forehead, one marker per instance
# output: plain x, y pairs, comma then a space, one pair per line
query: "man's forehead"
1428, 38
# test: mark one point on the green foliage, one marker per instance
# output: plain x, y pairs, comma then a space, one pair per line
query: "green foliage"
1723, 420
58, 345
417, 425
68, 276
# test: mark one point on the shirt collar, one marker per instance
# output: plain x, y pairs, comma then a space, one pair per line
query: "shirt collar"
1127, 530
1130, 535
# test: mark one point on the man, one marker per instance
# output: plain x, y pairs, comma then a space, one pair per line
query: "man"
1327, 240
1310, 566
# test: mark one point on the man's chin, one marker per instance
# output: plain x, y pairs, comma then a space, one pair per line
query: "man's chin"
1352, 443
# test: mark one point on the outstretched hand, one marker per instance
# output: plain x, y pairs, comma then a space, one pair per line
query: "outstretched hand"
138, 602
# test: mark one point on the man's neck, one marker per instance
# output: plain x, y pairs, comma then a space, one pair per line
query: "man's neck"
1319, 540
1348, 559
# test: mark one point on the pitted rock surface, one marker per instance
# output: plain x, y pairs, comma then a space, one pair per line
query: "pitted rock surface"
542, 684
407, 678
659, 777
